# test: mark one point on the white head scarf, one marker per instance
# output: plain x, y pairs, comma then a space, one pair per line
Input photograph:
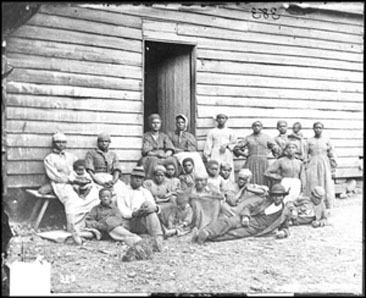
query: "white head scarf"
185, 119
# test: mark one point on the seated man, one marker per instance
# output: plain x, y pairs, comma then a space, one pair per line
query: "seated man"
138, 208
103, 166
305, 210
260, 217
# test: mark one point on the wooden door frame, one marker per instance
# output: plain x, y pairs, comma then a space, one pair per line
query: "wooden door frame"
193, 74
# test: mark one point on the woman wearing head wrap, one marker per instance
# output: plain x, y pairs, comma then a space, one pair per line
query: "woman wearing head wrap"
258, 144
320, 163
157, 148
220, 143
185, 144
58, 165
289, 171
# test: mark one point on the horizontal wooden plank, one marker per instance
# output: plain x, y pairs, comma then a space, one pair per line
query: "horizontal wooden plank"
61, 78
38, 154
277, 59
42, 126
74, 66
61, 115
210, 111
67, 36
253, 47
73, 141
285, 19
292, 83
269, 122
37, 167
279, 71
75, 92
69, 103
264, 33
201, 133
17, 181
73, 52
83, 13
250, 92
74, 24
348, 173
280, 103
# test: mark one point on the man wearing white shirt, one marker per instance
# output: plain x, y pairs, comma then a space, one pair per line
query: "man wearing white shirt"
260, 217
138, 208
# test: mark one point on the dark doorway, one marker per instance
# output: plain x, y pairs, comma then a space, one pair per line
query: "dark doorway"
169, 83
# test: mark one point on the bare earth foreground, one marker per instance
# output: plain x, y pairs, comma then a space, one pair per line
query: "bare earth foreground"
325, 260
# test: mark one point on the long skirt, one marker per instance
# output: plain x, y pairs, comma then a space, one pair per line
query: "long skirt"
294, 185
318, 173
76, 208
257, 164
149, 163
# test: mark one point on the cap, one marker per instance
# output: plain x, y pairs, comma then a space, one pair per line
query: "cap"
245, 173
138, 171
318, 192
59, 136
104, 136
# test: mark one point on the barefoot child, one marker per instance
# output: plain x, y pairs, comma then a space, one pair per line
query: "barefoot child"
229, 188
214, 178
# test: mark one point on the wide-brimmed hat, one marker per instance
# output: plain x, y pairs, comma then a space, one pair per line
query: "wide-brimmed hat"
278, 189
318, 192
138, 171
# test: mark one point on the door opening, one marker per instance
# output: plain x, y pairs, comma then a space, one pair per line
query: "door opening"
169, 83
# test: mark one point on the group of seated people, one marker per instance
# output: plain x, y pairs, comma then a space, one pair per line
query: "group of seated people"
173, 191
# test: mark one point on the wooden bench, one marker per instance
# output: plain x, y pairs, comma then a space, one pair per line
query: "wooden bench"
40, 207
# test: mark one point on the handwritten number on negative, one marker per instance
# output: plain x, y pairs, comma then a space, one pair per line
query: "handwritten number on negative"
257, 14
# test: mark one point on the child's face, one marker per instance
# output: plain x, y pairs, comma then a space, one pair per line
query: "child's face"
182, 201
282, 128
188, 167
170, 170
315, 200
106, 198
225, 172
212, 170
80, 170
200, 183
159, 177
296, 128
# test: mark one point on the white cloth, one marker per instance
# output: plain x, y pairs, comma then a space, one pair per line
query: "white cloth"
132, 200
217, 137
199, 166
119, 187
295, 188
271, 209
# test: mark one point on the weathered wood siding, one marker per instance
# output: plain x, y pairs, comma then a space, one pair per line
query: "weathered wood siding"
79, 70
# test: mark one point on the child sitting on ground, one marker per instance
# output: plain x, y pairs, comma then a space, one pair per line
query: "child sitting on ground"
80, 179
229, 188
214, 178
306, 210
187, 178
180, 220
171, 176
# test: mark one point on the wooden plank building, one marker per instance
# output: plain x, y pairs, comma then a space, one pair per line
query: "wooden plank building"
87, 68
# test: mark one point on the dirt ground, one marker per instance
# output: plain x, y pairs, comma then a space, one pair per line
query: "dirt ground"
324, 260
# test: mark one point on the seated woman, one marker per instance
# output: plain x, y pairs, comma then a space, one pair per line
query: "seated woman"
103, 166
58, 165
185, 144
157, 148
162, 192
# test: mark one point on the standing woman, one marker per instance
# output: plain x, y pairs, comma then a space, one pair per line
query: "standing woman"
320, 163
185, 144
157, 148
258, 144
220, 143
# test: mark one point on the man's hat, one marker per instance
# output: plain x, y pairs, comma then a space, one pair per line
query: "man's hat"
278, 189
318, 192
104, 136
138, 171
